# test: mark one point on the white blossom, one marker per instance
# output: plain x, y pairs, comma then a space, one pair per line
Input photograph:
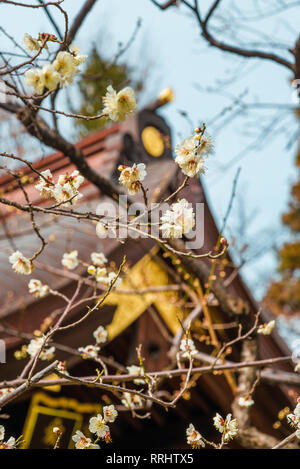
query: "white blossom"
100, 274
294, 418
50, 77
98, 425
10, 443
245, 401
82, 442
61, 366
34, 78
131, 400
98, 258
20, 263
46, 188
227, 427
101, 230
266, 329
70, 260
74, 179
4, 392
66, 194
136, 370
90, 351
117, 106
31, 43
34, 347
65, 65
37, 289
193, 437
177, 221
100, 335
109, 413
190, 161
188, 347
131, 177
110, 278
77, 57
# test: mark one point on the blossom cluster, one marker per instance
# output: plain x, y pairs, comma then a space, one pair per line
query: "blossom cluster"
194, 438
228, 426
100, 272
20, 263
266, 329
117, 106
187, 347
131, 401
98, 426
65, 191
131, 177
91, 351
60, 72
177, 221
37, 289
34, 347
10, 443
136, 370
294, 418
191, 153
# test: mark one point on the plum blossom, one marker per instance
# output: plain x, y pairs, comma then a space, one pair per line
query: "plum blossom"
63, 194
98, 259
65, 65
98, 425
100, 335
82, 442
4, 392
131, 400
109, 413
101, 230
193, 437
50, 77
187, 346
227, 427
177, 221
46, 185
70, 260
294, 418
78, 58
266, 329
90, 351
245, 401
61, 366
136, 370
131, 177
117, 106
34, 78
37, 289
10, 443
34, 347
190, 154
20, 263
31, 43
109, 279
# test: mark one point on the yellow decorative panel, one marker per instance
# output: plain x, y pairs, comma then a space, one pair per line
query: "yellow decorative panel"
144, 274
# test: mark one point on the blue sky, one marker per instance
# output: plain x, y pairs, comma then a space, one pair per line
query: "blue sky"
170, 51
